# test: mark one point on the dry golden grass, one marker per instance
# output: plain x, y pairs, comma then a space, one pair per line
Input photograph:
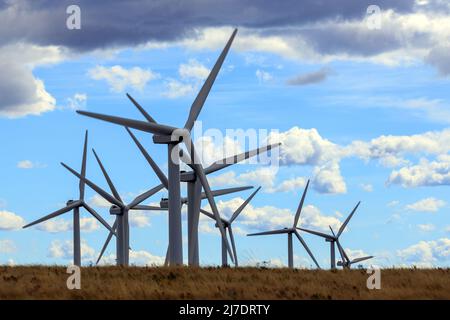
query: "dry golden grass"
35, 282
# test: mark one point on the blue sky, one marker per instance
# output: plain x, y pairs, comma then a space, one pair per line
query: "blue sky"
363, 125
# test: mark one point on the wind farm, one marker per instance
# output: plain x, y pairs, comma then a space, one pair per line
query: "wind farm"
251, 158
198, 188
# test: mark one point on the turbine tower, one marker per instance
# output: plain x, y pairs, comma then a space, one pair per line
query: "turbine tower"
290, 232
194, 186
227, 225
333, 238
172, 137
75, 205
119, 209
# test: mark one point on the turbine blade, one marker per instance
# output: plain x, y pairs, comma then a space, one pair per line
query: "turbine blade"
233, 244
162, 177
55, 213
361, 259
144, 113
98, 217
281, 231
204, 91
306, 248
243, 205
208, 214
154, 128
317, 233
108, 239
83, 167
226, 162
332, 231
142, 197
204, 181
108, 179
166, 261
225, 191
105, 195
300, 206
341, 229
342, 251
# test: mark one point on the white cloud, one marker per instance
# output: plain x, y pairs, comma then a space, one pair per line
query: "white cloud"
138, 258
427, 227
99, 202
119, 78
193, 70
22, 93
425, 173
263, 76
139, 219
426, 205
77, 101
7, 246
176, 89
64, 250
88, 224
192, 74
270, 217
10, 221
328, 179
288, 185
426, 253
28, 164
367, 187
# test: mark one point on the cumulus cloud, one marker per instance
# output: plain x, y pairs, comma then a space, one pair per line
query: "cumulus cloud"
270, 217
120, 78
7, 246
139, 219
137, 258
425, 173
192, 75
310, 78
64, 250
426, 205
99, 202
22, 93
193, 70
88, 224
426, 254
328, 179
10, 221
77, 101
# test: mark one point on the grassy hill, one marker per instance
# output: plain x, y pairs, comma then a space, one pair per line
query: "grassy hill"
43, 282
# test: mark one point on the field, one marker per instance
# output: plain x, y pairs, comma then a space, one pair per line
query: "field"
38, 282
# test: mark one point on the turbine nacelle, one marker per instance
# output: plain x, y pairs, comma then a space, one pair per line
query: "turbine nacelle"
116, 210
69, 202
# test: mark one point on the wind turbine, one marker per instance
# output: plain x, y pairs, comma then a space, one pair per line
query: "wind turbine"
119, 209
194, 186
163, 205
346, 262
290, 231
227, 225
75, 205
172, 137
334, 239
